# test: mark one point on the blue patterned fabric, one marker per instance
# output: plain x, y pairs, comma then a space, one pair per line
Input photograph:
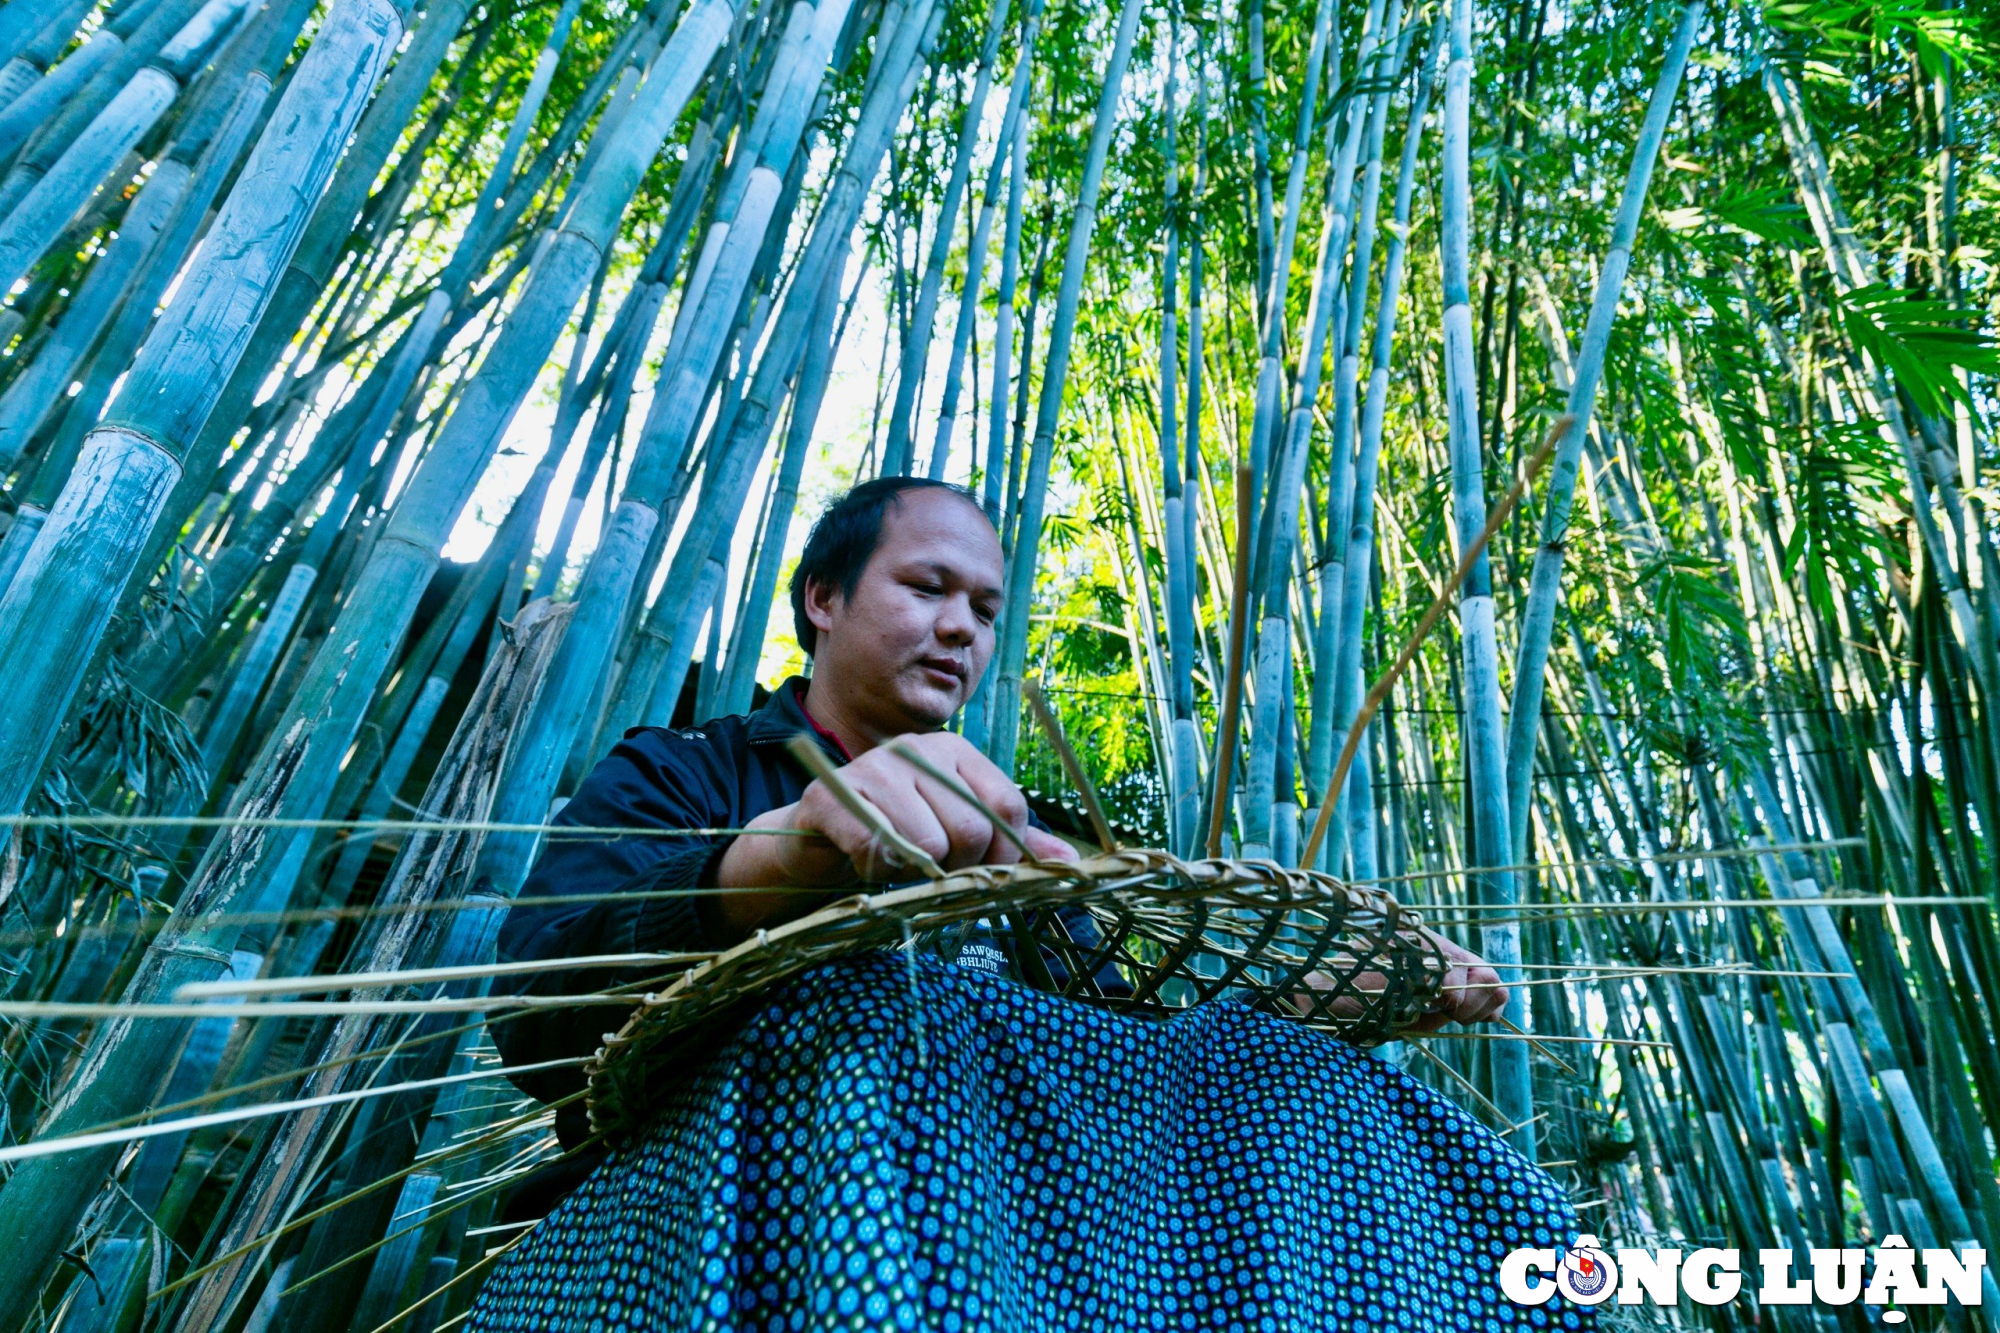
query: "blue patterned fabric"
895, 1143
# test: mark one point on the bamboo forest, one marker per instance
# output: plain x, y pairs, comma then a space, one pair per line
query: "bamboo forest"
1533, 458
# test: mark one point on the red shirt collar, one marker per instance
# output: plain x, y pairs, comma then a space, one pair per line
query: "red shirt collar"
799, 693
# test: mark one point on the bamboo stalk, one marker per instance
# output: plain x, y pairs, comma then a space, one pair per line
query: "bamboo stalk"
81, 558
1343, 609
1485, 760
1011, 654
659, 660
1408, 654
898, 450
1538, 621
1219, 793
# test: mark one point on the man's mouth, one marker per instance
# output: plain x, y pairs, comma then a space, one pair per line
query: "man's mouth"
944, 666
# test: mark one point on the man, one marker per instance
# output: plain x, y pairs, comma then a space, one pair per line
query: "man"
895, 1144
895, 600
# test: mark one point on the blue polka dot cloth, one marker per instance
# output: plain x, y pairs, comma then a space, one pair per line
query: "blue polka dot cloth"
897, 1143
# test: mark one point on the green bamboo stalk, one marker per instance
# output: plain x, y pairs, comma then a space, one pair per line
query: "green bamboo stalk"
485, 208
461, 791
35, 102
35, 390
296, 289
443, 482
1002, 464
1277, 529
606, 592
1344, 615
312, 265
897, 450
1513, 1087
139, 33
996, 466
21, 25
1186, 535
610, 422
389, 1278
746, 644
1012, 129
40, 211
226, 722
659, 657
1275, 282
83, 555
563, 269
73, 573
1821, 942
1851, 269
1011, 656
1181, 740
1545, 583
1260, 150
328, 705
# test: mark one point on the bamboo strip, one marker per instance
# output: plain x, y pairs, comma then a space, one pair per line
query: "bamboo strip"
470, 1004
500, 1131
381, 825
1232, 691
131, 1134
1513, 1036
420, 975
491, 1257
1046, 719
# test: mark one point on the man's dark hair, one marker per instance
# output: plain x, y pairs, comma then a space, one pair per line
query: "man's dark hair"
844, 537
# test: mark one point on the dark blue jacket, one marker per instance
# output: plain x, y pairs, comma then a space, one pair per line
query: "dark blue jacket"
721, 774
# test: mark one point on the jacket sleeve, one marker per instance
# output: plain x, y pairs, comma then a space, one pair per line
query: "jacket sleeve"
618, 895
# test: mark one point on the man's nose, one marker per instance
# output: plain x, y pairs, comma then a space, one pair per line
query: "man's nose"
956, 623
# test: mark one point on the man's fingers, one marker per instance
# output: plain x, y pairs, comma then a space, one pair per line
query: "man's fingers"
970, 838
969, 834
995, 790
1478, 979
873, 858
974, 795
923, 810
951, 816
1473, 991
856, 841
914, 813
1471, 994
1047, 846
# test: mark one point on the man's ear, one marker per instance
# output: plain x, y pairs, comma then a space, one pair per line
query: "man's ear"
820, 601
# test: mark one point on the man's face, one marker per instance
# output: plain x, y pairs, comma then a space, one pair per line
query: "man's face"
911, 643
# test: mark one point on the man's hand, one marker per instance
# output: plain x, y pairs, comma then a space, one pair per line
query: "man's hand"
1471, 992
839, 850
